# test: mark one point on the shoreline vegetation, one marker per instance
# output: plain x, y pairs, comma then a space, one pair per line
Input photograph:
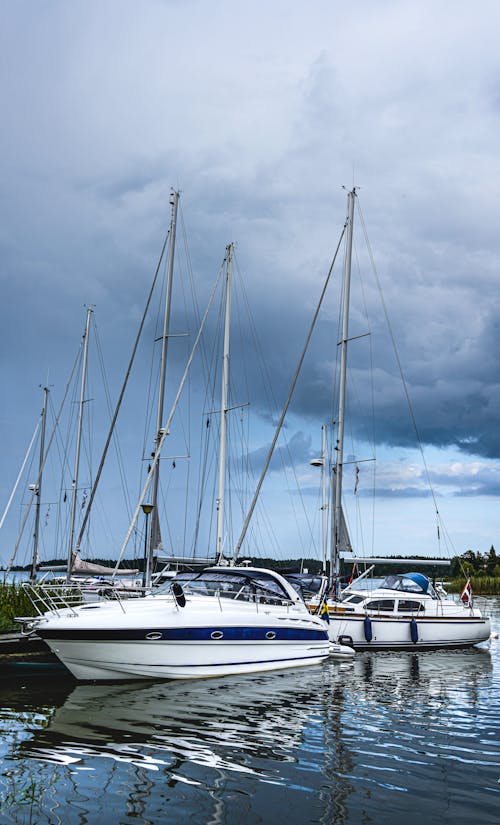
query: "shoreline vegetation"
483, 569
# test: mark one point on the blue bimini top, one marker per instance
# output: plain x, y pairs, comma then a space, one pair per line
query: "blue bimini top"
411, 582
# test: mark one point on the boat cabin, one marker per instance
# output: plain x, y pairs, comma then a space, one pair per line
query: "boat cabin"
243, 584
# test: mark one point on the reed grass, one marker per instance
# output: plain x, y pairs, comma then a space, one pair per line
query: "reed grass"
481, 585
14, 601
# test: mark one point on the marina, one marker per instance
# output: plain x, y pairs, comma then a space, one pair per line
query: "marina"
387, 736
249, 360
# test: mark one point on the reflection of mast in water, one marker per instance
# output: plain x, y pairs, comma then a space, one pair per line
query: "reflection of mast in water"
338, 760
414, 668
396, 701
139, 795
421, 676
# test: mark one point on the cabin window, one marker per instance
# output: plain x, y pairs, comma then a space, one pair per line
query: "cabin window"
381, 604
353, 599
306, 586
408, 606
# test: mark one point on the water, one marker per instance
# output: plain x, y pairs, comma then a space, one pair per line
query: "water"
391, 738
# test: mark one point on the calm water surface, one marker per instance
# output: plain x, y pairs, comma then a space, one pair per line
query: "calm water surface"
390, 738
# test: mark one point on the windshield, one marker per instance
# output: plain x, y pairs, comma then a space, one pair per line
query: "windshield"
306, 585
246, 586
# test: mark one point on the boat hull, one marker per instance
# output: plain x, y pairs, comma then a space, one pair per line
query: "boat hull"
153, 638
125, 660
400, 633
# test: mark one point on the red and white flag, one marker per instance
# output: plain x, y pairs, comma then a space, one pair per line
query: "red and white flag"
466, 595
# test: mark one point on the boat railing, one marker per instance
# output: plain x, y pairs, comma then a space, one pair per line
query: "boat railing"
263, 599
57, 596
258, 599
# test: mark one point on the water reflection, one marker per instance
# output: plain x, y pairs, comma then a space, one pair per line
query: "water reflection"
380, 719
317, 745
420, 674
228, 724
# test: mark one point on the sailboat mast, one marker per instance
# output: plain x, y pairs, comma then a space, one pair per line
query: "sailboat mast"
154, 537
324, 506
38, 493
337, 486
223, 409
74, 486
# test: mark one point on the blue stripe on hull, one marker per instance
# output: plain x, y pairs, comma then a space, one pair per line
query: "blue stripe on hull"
187, 634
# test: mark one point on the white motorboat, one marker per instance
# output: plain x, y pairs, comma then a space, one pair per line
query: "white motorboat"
219, 622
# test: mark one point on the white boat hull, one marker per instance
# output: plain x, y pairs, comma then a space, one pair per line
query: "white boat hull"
395, 633
178, 660
152, 638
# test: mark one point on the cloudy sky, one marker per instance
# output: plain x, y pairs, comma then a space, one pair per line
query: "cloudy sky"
260, 113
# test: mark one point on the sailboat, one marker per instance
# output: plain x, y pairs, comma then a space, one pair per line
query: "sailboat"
218, 622
407, 611
35, 489
74, 566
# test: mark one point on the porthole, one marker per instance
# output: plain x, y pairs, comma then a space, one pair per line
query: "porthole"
216, 634
154, 636
270, 634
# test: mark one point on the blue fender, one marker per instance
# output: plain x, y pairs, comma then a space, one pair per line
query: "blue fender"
367, 627
414, 631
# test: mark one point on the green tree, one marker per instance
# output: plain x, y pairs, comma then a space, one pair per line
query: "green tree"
491, 562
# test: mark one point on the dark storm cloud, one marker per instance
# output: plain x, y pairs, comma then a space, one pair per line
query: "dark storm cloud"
105, 111
297, 451
469, 480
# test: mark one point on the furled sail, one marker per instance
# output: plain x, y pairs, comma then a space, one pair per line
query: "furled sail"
79, 567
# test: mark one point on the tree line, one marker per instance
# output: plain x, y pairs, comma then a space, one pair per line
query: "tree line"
470, 563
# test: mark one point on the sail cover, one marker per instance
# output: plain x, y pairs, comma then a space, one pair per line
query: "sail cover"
79, 567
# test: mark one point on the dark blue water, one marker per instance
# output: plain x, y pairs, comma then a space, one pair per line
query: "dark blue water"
391, 738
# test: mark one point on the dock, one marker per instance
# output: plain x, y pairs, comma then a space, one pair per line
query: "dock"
17, 644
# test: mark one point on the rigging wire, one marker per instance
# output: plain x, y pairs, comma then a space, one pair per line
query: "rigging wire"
272, 404
21, 471
120, 399
37, 483
287, 403
353, 392
166, 429
207, 441
439, 522
116, 443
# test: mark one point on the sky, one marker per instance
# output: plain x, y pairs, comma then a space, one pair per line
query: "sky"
262, 115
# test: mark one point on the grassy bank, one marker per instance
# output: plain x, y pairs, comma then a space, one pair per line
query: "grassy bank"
481, 585
13, 602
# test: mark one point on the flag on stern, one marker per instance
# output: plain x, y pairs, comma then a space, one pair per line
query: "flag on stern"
324, 612
466, 595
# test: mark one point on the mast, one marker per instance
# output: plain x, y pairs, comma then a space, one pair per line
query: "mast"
324, 505
337, 480
154, 536
321, 462
38, 487
223, 410
74, 486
